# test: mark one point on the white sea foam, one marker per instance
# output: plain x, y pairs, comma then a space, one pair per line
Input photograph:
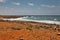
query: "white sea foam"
42, 21
55, 19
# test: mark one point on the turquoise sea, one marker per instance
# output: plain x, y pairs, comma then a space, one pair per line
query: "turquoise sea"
43, 17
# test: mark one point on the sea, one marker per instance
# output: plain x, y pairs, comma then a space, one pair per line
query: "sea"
53, 19
43, 17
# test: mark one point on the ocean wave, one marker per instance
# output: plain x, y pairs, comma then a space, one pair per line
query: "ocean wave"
43, 21
55, 19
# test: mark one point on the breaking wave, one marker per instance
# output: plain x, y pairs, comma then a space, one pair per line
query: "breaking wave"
23, 19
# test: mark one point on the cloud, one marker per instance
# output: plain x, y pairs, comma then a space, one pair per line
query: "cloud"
30, 4
16, 3
2, 0
9, 11
49, 6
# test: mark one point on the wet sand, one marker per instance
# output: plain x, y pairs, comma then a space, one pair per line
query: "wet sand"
25, 30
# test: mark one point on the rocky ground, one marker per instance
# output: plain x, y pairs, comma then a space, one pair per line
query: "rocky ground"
23, 30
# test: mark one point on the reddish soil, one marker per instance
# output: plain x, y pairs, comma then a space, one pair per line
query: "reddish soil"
14, 30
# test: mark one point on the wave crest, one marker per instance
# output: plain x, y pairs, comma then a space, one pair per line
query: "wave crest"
23, 19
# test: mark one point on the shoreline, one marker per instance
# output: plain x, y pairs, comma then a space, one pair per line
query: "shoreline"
40, 21
26, 29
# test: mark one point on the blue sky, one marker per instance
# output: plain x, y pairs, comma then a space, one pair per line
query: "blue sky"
29, 7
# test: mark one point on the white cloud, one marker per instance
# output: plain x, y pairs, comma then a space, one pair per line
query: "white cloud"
16, 3
2, 0
30, 4
10, 11
49, 6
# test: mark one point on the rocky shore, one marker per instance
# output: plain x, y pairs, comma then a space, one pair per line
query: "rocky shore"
25, 30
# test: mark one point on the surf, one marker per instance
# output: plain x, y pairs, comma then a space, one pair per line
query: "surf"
41, 21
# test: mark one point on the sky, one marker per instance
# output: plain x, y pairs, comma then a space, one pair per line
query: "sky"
29, 7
